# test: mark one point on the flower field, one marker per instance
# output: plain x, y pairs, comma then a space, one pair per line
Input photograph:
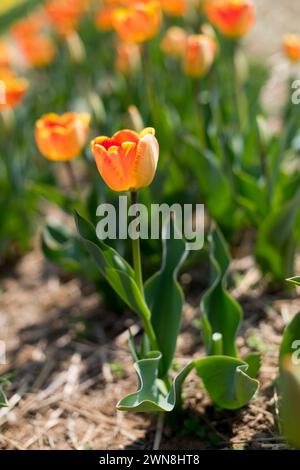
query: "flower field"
150, 225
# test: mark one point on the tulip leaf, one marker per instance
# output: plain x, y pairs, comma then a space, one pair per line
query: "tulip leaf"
289, 410
113, 267
3, 399
18, 9
291, 338
226, 381
152, 395
254, 362
275, 248
214, 184
221, 314
294, 280
165, 298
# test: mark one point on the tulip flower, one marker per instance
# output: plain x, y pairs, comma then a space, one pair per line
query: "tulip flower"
291, 47
174, 7
137, 23
128, 160
4, 54
64, 15
30, 26
199, 55
13, 89
37, 51
128, 58
233, 18
104, 18
174, 41
62, 137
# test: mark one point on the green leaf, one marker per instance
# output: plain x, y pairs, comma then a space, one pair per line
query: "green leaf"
226, 381
289, 410
152, 395
213, 181
291, 338
3, 399
254, 362
18, 11
275, 247
165, 299
294, 280
114, 268
221, 314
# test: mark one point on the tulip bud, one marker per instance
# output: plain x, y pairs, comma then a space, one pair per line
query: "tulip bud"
199, 55
174, 7
128, 58
233, 18
12, 90
62, 138
291, 47
174, 41
137, 23
128, 160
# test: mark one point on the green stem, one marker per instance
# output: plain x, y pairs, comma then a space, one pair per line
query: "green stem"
199, 113
137, 265
148, 80
136, 252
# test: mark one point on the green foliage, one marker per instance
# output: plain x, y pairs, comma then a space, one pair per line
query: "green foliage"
153, 395
221, 314
289, 382
226, 381
164, 297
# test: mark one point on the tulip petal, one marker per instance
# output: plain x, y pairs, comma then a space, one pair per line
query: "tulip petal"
145, 163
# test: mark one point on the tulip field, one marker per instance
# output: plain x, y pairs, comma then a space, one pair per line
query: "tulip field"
149, 225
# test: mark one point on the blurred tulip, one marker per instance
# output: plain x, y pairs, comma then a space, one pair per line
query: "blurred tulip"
233, 18
62, 137
64, 15
38, 51
128, 58
174, 7
174, 41
137, 23
291, 46
104, 18
128, 160
13, 89
199, 55
4, 54
29, 26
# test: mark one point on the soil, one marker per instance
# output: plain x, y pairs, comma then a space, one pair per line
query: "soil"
69, 357
70, 365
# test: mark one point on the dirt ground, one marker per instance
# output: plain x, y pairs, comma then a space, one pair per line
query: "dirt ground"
69, 356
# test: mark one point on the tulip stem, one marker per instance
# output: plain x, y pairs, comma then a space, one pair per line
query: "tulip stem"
136, 252
196, 90
72, 177
137, 265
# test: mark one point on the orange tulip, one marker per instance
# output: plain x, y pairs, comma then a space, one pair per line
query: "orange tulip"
62, 137
174, 7
64, 15
38, 51
104, 18
174, 41
291, 47
199, 55
12, 89
233, 18
137, 23
29, 26
127, 161
4, 54
128, 58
